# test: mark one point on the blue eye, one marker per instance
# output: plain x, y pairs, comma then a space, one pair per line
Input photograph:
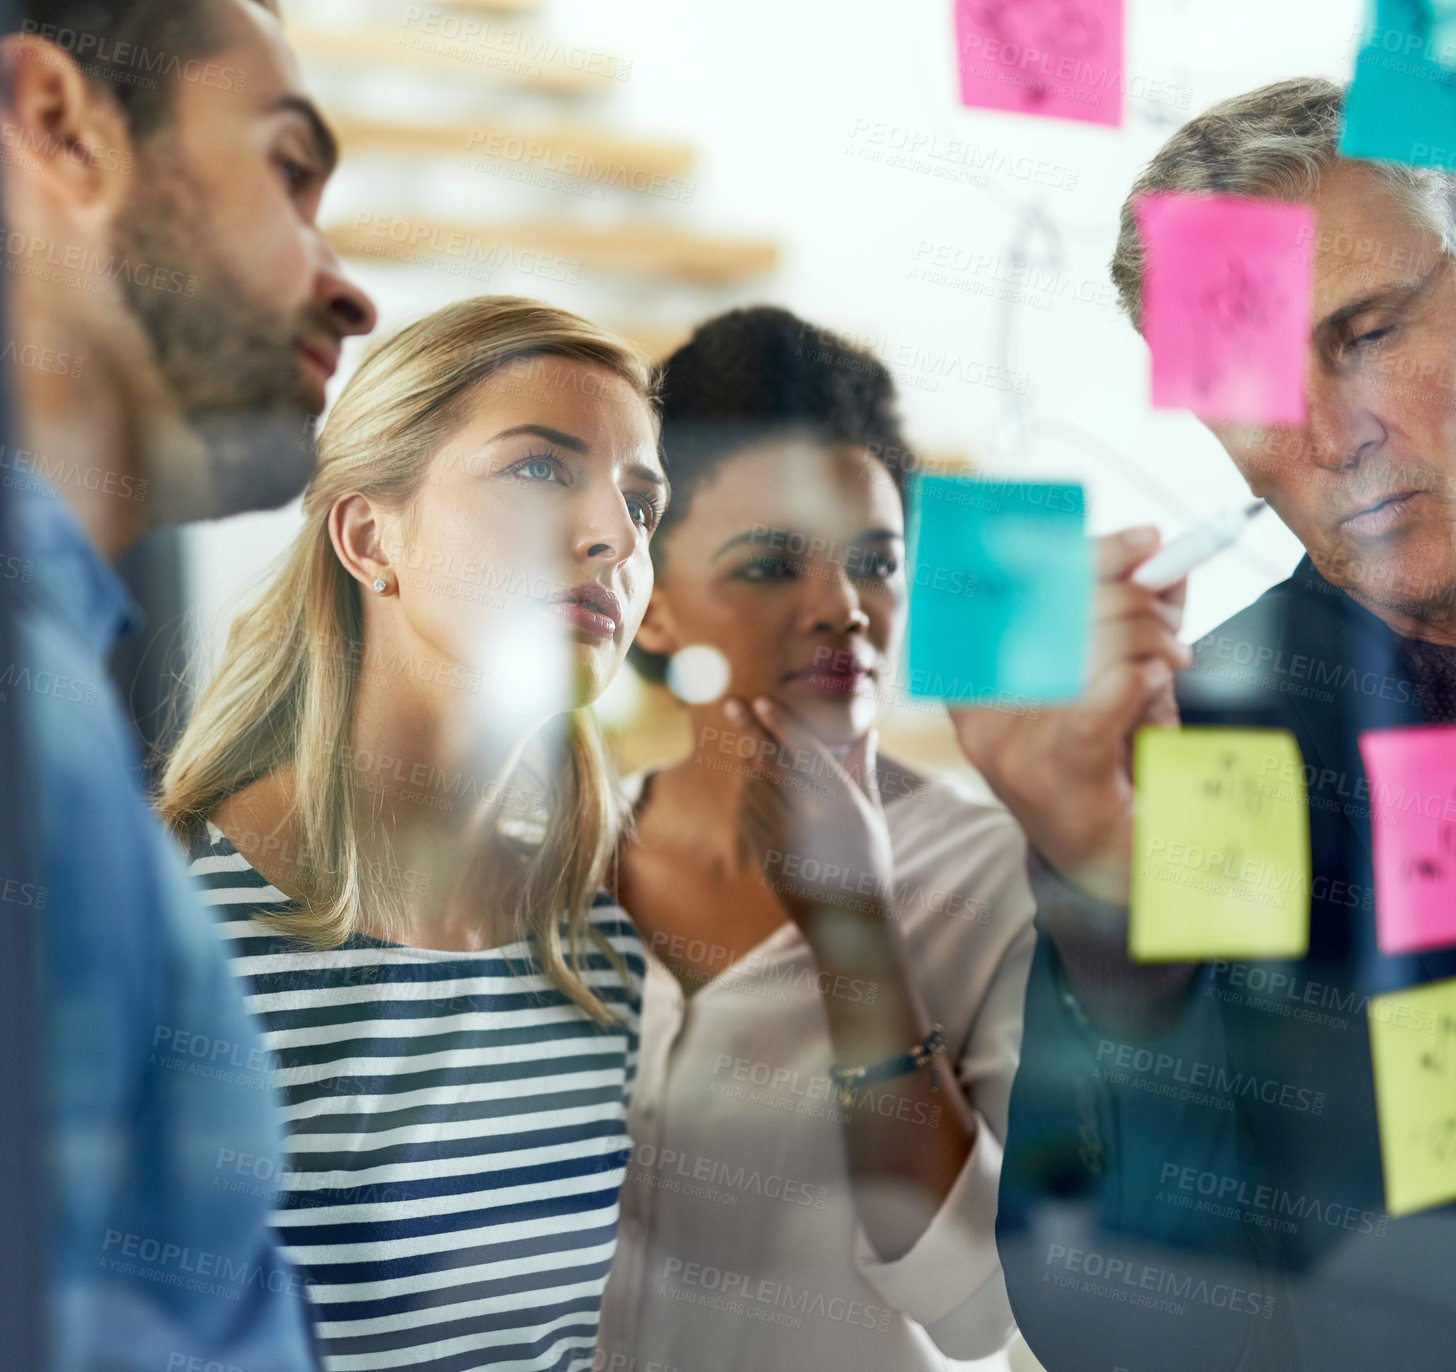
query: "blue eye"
536, 468
644, 510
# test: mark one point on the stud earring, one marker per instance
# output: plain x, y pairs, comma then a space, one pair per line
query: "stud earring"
381, 585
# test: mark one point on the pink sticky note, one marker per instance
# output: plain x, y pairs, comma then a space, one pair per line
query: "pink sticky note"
1228, 288
1412, 774
1059, 58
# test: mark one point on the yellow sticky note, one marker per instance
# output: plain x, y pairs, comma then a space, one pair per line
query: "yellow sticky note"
1413, 1053
1220, 846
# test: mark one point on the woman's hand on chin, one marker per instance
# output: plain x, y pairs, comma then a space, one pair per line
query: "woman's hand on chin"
815, 824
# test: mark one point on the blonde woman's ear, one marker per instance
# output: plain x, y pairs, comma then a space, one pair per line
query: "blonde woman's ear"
656, 633
354, 530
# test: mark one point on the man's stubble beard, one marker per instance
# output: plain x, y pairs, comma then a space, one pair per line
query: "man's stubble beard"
231, 372
1425, 593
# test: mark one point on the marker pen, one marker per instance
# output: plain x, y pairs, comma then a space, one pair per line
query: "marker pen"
1170, 565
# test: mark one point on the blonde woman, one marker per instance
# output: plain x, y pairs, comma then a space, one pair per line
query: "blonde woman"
412, 903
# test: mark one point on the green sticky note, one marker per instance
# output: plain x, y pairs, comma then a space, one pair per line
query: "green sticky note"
1220, 846
1413, 1054
1000, 590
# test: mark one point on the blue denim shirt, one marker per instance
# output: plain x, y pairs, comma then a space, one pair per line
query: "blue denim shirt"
164, 1136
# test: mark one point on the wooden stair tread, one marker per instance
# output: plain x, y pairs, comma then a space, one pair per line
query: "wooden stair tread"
573, 150
464, 59
649, 249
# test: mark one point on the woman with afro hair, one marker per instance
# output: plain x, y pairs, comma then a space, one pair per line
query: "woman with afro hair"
838, 945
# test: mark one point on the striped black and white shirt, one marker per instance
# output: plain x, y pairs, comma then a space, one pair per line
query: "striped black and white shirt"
456, 1134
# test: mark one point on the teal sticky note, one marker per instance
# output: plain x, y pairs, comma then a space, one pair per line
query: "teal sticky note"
1000, 590
1401, 105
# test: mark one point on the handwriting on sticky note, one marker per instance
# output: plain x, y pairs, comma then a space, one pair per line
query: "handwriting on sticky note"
1000, 590
1412, 776
1227, 298
1413, 1055
1058, 58
1401, 105
1220, 846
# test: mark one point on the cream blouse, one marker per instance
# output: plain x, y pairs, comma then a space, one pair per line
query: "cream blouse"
740, 1245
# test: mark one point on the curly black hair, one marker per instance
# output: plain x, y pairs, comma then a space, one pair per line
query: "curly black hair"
762, 373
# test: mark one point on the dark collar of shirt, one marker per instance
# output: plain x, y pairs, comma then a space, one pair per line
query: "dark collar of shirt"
63, 572
1430, 668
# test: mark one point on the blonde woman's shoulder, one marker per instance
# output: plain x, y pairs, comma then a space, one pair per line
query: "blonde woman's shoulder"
614, 924
258, 823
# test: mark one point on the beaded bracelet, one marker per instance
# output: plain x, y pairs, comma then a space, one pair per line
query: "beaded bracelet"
848, 1080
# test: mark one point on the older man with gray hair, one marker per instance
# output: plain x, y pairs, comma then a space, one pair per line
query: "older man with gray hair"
1193, 1171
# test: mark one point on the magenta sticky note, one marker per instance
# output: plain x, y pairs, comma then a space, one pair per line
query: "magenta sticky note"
1412, 776
1228, 287
1058, 58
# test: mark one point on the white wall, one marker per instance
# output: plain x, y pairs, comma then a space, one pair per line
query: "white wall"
780, 97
